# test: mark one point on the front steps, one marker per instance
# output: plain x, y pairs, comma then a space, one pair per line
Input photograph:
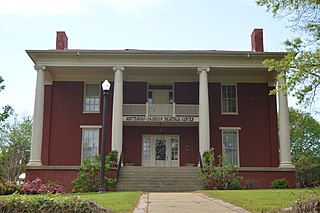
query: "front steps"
159, 179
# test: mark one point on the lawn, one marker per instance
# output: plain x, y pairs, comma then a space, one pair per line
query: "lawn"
116, 201
263, 200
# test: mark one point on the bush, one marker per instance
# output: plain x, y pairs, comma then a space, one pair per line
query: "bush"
88, 179
44, 203
310, 205
218, 177
234, 185
7, 188
279, 184
37, 187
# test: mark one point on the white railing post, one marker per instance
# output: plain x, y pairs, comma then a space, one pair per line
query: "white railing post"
174, 109
147, 109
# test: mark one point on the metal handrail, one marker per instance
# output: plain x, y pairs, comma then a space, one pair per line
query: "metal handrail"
119, 165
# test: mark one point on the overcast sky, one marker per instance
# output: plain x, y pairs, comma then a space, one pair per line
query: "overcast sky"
123, 24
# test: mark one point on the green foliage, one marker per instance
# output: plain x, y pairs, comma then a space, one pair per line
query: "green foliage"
279, 184
15, 142
7, 110
88, 179
7, 188
113, 157
234, 185
222, 176
44, 203
301, 64
305, 139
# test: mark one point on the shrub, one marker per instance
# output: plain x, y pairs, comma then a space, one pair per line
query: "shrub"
220, 176
44, 203
7, 188
113, 157
279, 184
88, 179
234, 185
310, 205
37, 187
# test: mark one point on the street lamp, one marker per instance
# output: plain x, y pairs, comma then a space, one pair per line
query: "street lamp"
105, 87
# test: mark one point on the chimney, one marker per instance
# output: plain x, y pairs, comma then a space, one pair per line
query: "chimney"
61, 41
257, 40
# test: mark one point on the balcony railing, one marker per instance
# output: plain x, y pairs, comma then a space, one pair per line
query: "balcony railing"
161, 109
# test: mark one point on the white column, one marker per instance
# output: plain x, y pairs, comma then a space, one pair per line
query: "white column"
284, 131
116, 140
36, 140
204, 123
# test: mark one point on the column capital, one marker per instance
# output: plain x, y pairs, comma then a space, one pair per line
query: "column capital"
203, 68
115, 68
38, 67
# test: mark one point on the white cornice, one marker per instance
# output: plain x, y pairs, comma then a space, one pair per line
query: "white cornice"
228, 59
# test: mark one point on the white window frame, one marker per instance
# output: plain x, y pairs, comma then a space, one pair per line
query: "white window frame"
231, 129
89, 127
236, 91
84, 97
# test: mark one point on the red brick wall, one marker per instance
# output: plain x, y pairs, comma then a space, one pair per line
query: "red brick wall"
186, 93
62, 135
135, 92
64, 177
264, 179
257, 119
132, 142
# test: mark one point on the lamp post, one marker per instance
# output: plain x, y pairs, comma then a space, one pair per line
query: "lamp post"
105, 87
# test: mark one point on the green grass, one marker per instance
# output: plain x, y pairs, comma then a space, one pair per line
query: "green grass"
116, 201
263, 200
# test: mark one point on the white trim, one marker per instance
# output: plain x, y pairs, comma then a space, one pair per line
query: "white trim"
237, 99
86, 128
84, 98
234, 129
229, 128
90, 126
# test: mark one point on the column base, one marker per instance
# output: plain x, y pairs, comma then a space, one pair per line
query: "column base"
34, 163
286, 164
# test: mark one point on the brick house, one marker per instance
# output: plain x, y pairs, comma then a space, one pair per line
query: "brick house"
165, 108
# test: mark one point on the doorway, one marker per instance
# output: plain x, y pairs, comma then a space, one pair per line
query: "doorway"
160, 150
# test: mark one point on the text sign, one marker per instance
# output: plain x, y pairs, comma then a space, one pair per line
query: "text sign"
160, 119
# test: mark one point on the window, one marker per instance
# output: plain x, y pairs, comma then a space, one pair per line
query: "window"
92, 98
90, 143
230, 146
229, 99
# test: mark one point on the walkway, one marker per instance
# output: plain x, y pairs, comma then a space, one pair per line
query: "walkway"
184, 203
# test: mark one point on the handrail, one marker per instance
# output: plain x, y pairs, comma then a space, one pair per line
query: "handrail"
201, 164
119, 165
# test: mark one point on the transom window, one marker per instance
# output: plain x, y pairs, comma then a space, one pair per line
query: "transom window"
230, 146
229, 99
90, 143
92, 98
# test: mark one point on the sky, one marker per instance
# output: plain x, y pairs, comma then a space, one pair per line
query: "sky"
123, 24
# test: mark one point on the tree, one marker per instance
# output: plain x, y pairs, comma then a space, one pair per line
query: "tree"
7, 110
301, 65
15, 142
305, 139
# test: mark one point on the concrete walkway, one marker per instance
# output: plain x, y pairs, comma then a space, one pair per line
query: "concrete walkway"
184, 203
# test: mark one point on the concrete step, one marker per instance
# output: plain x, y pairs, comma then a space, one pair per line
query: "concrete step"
159, 179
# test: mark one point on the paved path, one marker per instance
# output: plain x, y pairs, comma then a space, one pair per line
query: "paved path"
184, 203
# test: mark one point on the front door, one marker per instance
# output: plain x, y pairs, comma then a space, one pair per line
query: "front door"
160, 150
